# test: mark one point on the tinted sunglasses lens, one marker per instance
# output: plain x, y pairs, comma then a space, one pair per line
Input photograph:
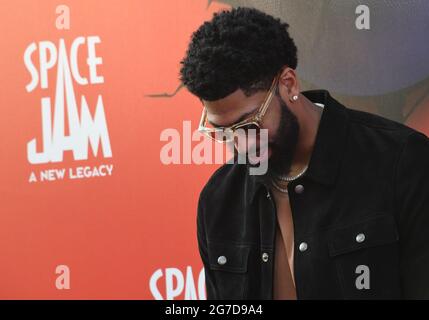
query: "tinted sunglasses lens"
251, 128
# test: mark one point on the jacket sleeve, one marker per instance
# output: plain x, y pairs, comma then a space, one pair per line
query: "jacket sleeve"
210, 281
412, 194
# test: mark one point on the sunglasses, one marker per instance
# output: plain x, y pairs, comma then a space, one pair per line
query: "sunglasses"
227, 134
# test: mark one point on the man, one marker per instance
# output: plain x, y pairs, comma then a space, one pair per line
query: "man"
343, 210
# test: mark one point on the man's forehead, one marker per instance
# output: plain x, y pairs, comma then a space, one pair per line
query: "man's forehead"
232, 108
233, 102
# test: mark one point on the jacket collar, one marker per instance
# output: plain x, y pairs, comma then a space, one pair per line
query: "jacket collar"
328, 147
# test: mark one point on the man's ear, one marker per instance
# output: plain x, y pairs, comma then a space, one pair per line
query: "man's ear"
288, 84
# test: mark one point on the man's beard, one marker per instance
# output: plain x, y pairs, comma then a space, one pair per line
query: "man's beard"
283, 146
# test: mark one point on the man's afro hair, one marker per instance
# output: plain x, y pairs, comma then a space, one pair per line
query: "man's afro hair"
242, 48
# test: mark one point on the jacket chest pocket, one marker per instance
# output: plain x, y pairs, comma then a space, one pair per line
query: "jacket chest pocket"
228, 262
367, 259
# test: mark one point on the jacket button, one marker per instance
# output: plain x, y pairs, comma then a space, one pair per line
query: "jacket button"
303, 246
360, 238
221, 260
299, 188
265, 257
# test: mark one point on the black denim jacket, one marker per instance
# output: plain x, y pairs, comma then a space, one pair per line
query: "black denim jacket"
361, 208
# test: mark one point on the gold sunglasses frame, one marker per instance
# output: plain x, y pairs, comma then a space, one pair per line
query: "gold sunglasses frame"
226, 134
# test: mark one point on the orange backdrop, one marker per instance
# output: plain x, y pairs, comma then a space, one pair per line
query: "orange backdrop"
114, 234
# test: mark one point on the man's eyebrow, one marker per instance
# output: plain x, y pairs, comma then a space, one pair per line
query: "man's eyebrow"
244, 116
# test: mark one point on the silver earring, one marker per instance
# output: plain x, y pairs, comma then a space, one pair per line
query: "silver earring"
294, 98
